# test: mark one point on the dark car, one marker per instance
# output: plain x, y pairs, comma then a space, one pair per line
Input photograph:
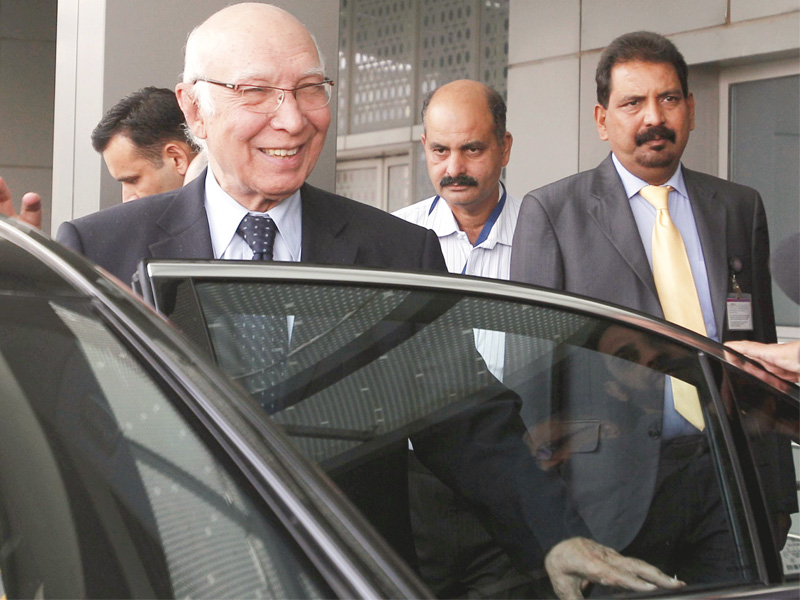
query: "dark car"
131, 466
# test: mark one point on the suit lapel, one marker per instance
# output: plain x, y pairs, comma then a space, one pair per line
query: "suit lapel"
711, 225
324, 229
612, 213
184, 225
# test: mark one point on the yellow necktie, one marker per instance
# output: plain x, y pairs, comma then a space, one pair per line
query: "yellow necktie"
676, 292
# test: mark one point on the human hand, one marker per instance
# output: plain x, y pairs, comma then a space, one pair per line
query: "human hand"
575, 563
30, 210
781, 359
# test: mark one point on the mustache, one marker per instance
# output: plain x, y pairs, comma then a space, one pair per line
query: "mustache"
657, 131
458, 180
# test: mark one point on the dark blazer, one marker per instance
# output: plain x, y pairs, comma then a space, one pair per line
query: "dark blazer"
579, 235
527, 514
335, 231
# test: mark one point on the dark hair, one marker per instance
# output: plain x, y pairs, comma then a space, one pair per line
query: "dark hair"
497, 107
150, 117
644, 46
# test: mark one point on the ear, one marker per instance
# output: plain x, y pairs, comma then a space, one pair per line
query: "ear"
191, 112
508, 140
177, 155
690, 104
600, 121
422, 139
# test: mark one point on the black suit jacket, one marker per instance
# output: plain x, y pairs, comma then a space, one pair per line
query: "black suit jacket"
525, 508
335, 231
579, 235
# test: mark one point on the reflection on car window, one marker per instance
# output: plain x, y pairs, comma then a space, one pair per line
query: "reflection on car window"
106, 490
620, 418
769, 430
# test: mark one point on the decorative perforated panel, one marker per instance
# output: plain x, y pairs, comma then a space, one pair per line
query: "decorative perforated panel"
382, 62
448, 42
494, 45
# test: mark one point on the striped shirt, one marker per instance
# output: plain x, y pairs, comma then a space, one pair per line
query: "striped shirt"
490, 258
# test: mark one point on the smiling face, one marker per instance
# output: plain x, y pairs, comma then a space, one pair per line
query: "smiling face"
463, 155
648, 119
259, 159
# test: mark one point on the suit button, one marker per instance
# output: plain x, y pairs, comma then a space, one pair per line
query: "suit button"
654, 432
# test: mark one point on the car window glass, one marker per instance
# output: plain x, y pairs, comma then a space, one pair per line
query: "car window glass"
375, 379
107, 490
767, 434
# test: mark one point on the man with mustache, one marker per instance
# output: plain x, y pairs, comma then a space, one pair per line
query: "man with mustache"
594, 234
466, 147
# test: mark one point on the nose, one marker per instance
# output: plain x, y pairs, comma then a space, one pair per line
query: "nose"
289, 117
128, 193
653, 113
456, 165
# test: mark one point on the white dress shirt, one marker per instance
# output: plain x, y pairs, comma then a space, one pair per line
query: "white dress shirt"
224, 215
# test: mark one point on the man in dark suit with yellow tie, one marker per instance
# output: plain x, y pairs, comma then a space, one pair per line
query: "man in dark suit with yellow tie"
642, 231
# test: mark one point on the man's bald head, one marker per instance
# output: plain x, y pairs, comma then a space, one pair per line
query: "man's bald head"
467, 90
234, 28
261, 145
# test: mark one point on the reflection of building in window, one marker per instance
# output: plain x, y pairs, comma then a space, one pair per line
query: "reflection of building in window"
391, 54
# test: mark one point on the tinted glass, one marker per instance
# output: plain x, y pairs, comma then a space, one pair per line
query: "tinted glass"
473, 399
767, 427
107, 489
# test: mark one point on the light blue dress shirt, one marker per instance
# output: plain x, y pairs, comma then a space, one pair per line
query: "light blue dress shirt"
680, 211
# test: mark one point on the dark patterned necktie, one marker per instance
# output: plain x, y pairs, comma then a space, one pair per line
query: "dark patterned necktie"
261, 339
259, 233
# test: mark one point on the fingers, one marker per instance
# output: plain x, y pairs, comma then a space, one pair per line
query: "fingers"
6, 205
573, 562
31, 210
781, 359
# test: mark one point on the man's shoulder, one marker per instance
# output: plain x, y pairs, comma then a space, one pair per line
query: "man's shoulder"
351, 210
723, 187
128, 213
417, 212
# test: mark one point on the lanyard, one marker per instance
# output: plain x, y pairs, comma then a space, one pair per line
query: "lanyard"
487, 227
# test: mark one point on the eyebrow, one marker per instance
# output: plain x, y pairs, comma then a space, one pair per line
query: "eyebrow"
247, 75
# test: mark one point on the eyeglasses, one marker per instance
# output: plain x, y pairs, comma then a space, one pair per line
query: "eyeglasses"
268, 99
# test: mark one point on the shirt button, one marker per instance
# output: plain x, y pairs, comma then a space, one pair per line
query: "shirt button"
654, 432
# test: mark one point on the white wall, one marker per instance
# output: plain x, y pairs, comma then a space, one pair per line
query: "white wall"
553, 52
110, 48
27, 84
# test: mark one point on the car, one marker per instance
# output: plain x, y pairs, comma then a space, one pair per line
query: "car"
141, 457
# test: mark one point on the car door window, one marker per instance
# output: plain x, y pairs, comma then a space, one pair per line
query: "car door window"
107, 489
765, 426
599, 406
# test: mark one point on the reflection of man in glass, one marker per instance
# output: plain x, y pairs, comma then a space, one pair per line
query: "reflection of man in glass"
646, 494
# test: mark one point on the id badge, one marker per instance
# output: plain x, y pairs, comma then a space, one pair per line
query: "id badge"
740, 312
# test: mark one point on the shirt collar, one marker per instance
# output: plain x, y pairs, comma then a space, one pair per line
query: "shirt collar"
224, 215
444, 223
633, 184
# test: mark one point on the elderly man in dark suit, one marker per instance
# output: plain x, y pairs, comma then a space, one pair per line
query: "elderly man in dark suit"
258, 100
254, 91
601, 233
